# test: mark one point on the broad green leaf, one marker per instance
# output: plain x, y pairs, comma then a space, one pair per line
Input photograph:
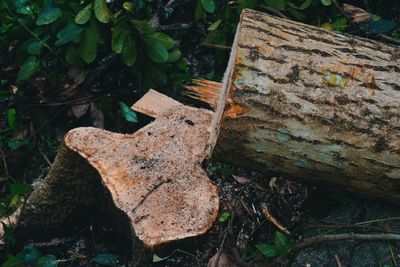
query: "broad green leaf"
84, 15
127, 112
142, 26
276, 4
35, 48
224, 217
214, 26
31, 254
208, 5
30, 66
167, 41
68, 34
305, 4
378, 26
11, 118
326, 2
267, 250
106, 259
48, 15
129, 52
47, 261
88, 45
101, 11
118, 39
155, 49
280, 241
174, 55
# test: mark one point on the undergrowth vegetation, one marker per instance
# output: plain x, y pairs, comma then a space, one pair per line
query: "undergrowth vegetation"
66, 64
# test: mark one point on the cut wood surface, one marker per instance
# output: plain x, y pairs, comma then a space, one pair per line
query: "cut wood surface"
309, 103
150, 182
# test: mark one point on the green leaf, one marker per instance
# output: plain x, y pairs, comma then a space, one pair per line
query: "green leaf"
276, 4
167, 41
214, 26
48, 15
68, 34
88, 43
142, 26
280, 241
174, 55
224, 217
119, 35
35, 48
14, 261
326, 2
11, 118
267, 250
127, 112
378, 26
47, 261
129, 52
31, 254
30, 66
208, 5
101, 11
296, 14
84, 15
15, 144
199, 11
106, 259
157, 258
155, 49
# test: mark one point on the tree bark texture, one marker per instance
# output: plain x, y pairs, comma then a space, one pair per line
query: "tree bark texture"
301, 101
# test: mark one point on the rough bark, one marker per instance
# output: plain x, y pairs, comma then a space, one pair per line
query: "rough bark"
149, 184
313, 104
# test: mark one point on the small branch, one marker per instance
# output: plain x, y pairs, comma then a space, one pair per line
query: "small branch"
223, 47
338, 263
274, 221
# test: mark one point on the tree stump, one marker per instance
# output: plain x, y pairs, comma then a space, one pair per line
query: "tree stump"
149, 183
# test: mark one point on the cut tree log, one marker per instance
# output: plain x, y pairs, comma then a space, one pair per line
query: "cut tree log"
305, 102
150, 183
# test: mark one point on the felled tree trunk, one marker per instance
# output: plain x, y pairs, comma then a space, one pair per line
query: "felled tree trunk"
301, 101
149, 185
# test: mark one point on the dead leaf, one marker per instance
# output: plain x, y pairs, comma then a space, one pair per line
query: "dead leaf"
221, 259
358, 15
240, 179
97, 116
79, 110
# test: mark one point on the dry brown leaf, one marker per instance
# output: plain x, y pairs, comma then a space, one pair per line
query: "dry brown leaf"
358, 15
240, 179
221, 259
79, 110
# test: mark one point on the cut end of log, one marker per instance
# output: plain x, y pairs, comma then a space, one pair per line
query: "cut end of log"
154, 175
205, 91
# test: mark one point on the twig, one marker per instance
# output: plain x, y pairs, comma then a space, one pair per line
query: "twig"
338, 263
4, 161
223, 47
274, 221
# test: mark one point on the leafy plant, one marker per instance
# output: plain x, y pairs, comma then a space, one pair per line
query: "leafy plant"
281, 245
32, 257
